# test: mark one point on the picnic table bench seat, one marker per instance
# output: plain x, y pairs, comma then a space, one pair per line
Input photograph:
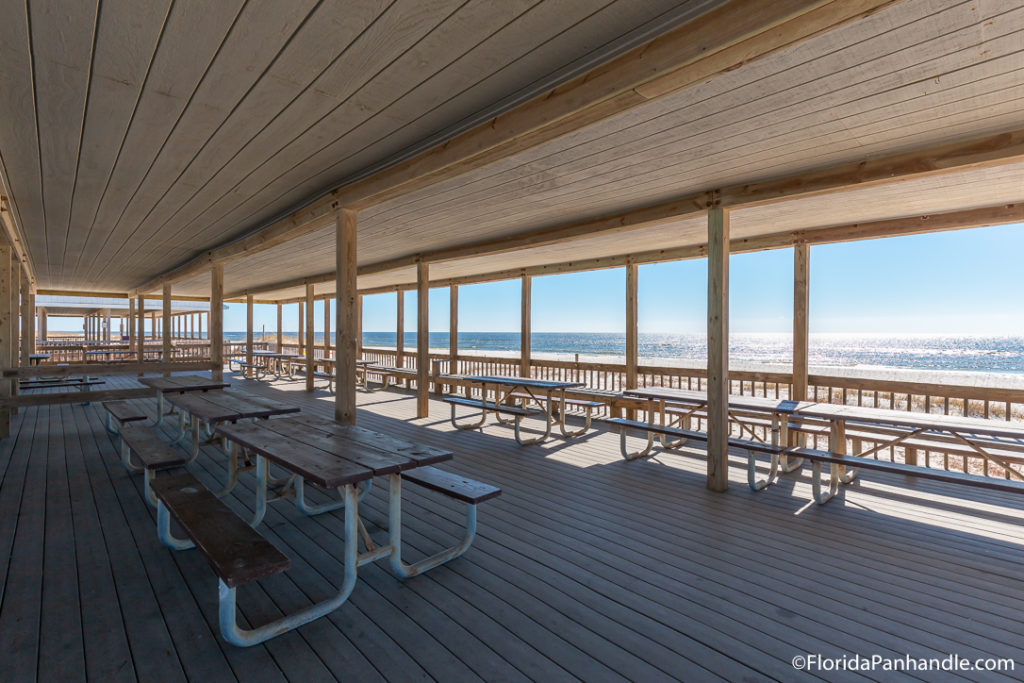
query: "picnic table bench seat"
123, 412
60, 383
386, 373
237, 553
154, 454
561, 404
517, 413
852, 463
880, 435
776, 453
452, 485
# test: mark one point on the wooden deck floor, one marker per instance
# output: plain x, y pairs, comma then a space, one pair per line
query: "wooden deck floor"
587, 567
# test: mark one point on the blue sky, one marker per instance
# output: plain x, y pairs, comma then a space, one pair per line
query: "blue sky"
966, 281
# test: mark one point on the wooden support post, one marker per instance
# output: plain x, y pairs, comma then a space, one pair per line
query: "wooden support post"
310, 337
140, 338
165, 357
302, 329
632, 337
359, 327
400, 329
801, 278
42, 324
453, 330
422, 339
152, 325
131, 322
217, 320
106, 325
718, 349
28, 320
346, 293
280, 329
525, 331
248, 334
8, 324
327, 328
15, 298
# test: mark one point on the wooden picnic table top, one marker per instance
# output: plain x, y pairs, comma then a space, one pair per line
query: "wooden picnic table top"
182, 383
329, 454
834, 412
224, 406
699, 398
903, 418
333, 361
525, 382
109, 351
273, 354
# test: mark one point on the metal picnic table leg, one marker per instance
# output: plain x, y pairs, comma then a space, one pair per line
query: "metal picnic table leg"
308, 508
547, 425
650, 436
837, 444
773, 469
561, 420
399, 568
244, 637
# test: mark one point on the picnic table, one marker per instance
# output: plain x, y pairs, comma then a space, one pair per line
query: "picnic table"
328, 455
276, 363
544, 393
330, 362
993, 441
179, 384
980, 436
206, 411
36, 358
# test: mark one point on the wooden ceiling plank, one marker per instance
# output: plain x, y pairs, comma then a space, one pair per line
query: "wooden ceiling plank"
285, 192
127, 35
192, 36
314, 47
663, 55
333, 101
637, 155
248, 49
62, 42
20, 174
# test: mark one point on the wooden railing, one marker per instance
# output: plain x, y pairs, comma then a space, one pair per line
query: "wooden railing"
610, 378
183, 349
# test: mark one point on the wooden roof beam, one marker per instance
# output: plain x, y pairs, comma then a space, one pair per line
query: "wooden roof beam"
723, 39
1003, 214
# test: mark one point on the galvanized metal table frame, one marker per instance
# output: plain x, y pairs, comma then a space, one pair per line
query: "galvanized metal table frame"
511, 385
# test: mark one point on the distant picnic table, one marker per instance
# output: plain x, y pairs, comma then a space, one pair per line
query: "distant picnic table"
507, 392
179, 384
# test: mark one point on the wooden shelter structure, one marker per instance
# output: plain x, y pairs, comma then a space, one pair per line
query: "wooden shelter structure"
290, 152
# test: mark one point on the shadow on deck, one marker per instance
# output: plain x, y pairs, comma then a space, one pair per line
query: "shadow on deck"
586, 567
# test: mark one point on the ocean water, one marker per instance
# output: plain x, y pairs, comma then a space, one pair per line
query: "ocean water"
847, 352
